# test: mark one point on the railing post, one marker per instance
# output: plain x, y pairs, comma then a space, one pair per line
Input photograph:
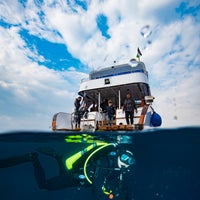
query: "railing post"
119, 99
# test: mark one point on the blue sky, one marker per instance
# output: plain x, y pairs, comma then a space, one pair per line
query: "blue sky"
47, 47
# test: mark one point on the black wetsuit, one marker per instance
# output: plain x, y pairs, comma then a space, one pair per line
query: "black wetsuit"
102, 165
129, 106
77, 112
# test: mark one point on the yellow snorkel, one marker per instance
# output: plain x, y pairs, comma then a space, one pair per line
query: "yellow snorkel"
72, 159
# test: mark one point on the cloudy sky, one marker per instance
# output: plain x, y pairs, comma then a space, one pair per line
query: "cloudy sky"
48, 46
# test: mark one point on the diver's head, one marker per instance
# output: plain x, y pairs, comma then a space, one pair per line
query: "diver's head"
125, 159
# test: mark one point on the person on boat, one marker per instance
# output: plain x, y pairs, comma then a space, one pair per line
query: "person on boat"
104, 105
101, 165
77, 113
111, 112
84, 111
129, 107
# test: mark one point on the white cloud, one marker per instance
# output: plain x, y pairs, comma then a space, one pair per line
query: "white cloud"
179, 105
30, 94
12, 11
175, 76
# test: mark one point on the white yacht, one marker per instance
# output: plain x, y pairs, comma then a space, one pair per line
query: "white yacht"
112, 83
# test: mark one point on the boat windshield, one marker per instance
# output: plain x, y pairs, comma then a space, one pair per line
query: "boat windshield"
133, 67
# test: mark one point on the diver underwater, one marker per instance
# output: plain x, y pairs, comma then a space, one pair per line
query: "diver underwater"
101, 165
154, 164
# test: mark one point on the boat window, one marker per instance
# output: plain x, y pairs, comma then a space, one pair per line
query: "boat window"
118, 70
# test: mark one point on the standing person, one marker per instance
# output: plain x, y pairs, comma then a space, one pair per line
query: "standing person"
104, 105
111, 112
77, 113
84, 111
129, 107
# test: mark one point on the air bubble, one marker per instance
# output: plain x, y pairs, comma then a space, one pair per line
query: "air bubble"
145, 31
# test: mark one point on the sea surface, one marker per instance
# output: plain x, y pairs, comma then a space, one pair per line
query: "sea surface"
167, 164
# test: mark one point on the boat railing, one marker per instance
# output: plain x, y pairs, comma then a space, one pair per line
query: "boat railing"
98, 120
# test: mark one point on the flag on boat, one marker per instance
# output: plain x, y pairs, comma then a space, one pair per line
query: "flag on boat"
139, 54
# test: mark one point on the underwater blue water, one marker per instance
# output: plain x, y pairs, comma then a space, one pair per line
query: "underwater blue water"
167, 164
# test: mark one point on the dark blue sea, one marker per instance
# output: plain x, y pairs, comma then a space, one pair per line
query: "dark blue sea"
165, 165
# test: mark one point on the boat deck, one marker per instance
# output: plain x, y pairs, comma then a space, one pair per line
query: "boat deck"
120, 127
109, 128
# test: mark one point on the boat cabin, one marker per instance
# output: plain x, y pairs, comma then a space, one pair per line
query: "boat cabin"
113, 83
